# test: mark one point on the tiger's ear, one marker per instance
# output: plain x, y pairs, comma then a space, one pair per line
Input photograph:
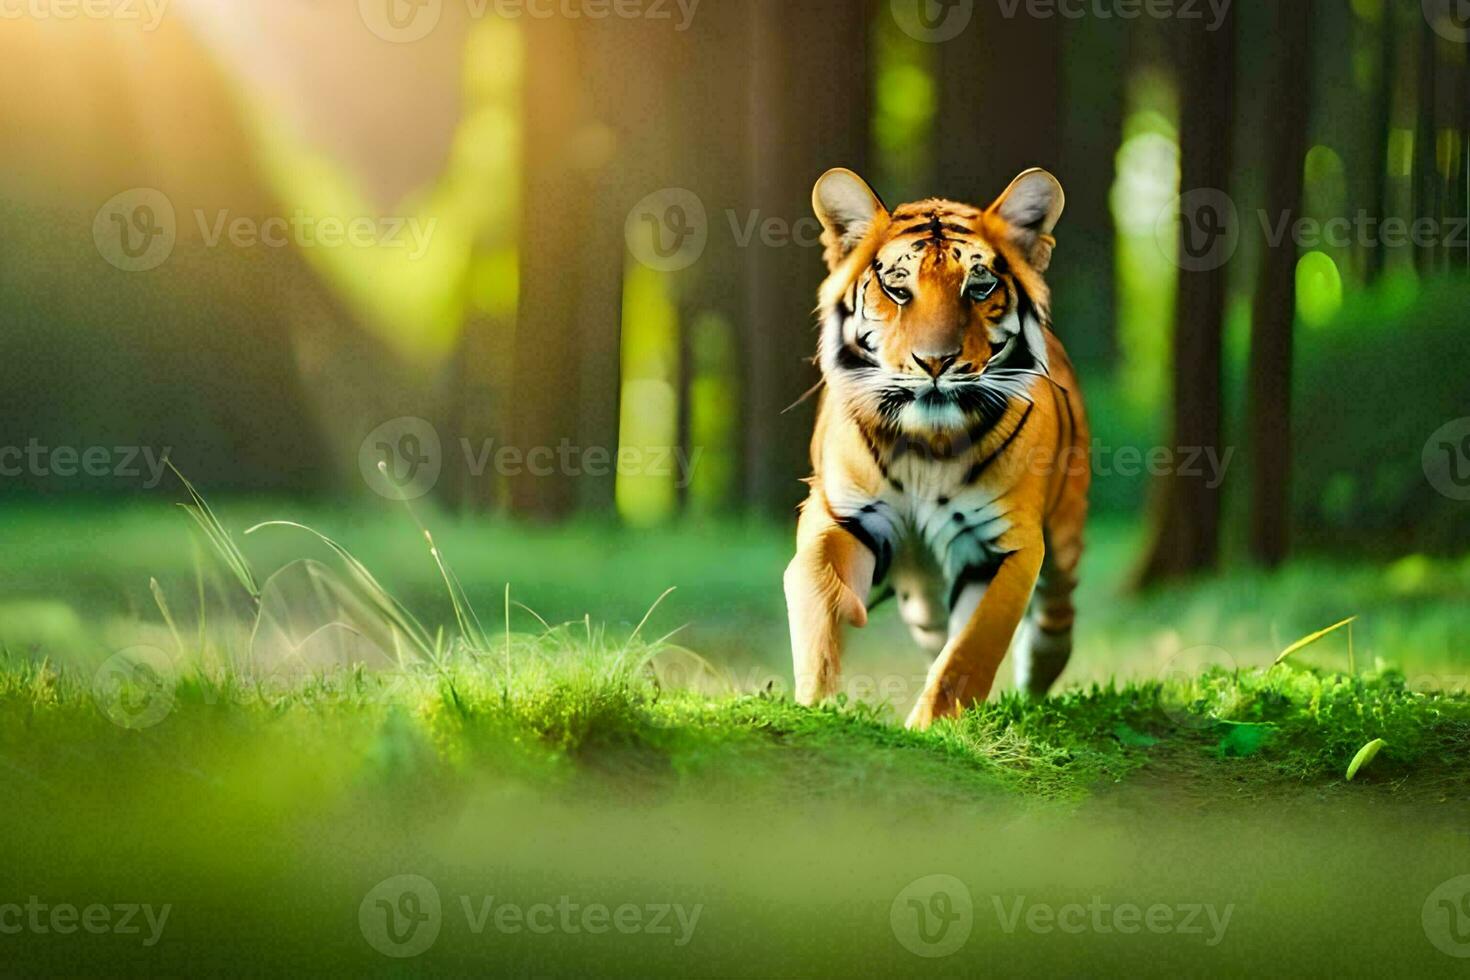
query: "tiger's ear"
1032, 206
847, 208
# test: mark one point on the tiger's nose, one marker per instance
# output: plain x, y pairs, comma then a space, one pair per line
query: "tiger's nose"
936, 364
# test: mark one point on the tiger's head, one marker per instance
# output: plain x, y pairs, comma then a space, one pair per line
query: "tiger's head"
934, 314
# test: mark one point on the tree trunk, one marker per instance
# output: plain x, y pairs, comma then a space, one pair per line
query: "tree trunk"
1427, 184
1186, 509
809, 105
1460, 256
1381, 120
1084, 274
1274, 315
597, 137
546, 368
716, 166
983, 141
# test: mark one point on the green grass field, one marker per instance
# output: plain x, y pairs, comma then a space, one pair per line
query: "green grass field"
557, 783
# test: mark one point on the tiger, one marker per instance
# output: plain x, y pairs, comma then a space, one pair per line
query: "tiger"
950, 453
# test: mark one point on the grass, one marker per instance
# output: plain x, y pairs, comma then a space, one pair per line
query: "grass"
206, 742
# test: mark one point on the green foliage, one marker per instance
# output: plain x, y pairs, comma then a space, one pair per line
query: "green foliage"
1371, 389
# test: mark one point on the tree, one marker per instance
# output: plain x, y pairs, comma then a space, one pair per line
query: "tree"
546, 368
1428, 187
596, 137
1185, 517
809, 105
982, 140
1380, 123
1274, 312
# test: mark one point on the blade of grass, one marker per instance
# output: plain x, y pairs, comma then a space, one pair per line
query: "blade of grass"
162, 603
642, 622
223, 543
393, 611
1307, 641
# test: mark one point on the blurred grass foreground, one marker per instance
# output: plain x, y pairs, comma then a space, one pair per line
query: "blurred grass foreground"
277, 747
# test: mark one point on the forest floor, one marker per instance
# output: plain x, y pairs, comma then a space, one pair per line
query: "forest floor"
1191, 811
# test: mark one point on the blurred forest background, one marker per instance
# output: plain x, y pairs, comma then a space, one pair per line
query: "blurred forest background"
533, 148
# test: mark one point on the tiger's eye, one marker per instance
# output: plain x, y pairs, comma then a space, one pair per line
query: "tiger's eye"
981, 284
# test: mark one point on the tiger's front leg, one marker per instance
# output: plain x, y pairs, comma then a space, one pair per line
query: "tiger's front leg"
827, 584
965, 671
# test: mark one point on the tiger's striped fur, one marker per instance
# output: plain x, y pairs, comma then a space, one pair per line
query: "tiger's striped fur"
950, 453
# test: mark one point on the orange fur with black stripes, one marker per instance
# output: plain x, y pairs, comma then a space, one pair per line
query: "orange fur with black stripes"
950, 453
